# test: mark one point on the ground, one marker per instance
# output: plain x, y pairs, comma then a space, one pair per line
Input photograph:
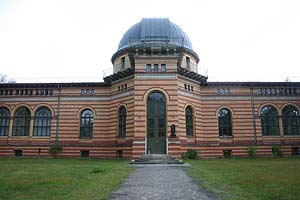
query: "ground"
260, 178
60, 178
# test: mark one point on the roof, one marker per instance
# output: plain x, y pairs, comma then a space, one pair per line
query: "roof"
53, 85
253, 84
155, 32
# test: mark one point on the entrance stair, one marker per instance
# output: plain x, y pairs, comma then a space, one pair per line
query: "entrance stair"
157, 159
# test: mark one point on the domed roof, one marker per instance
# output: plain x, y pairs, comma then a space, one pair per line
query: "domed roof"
155, 32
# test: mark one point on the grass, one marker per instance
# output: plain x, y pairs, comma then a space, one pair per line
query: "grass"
260, 178
60, 178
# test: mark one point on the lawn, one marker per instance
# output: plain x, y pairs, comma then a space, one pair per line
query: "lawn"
260, 178
60, 178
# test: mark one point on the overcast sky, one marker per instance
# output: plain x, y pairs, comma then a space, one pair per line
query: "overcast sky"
73, 40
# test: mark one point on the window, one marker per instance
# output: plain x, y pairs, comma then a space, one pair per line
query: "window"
18, 152
163, 67
188, 63
227, 153
295, 151
119, 154
4, 121
189, 120
269, 121
148, 67
155, 69
123, 63
122, 122
86, 123
291, 120
85, 153
224, 121
42, 121
21, 122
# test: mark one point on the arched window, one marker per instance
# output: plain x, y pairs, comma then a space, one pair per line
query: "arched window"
21, 122
86, 123
291, 120
42, 122
189, 121
224, 121
122, 121
269, 121
4, 121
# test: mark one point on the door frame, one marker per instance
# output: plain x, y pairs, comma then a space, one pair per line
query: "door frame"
146, 96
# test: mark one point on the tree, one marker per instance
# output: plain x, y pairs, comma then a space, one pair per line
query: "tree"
4, 79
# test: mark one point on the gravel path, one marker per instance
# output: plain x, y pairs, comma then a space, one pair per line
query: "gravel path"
160, 182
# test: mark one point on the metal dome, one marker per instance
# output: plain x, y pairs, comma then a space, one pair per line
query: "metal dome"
155, 32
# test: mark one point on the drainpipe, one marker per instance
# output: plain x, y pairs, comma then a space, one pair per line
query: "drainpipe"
253, 114
58, 113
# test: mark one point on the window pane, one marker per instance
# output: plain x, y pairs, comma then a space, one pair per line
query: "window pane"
224, 121
42, 121
189, 121
269, 121
4, 121
122, 121
291, 120
21, 122
86, 123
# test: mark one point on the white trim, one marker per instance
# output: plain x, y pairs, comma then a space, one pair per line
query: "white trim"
29, 99
155, 76
167, 145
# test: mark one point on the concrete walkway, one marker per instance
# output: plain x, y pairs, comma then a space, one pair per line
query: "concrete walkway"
160, 182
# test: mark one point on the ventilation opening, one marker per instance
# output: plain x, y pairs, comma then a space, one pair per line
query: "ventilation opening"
295, 151
18, 153
227, 153
39, 152
85, 153
119, 154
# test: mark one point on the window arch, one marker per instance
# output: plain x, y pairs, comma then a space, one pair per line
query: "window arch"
86, 123
269, 121
42, 122
224, 122
4, 121
189, 121
122, 121
21, 122
291, 120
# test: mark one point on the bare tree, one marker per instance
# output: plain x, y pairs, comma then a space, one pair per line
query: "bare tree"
4, 79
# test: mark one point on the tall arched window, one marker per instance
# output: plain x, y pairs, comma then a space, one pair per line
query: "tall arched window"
291, 120
122, 121
269, 121
224, 121
86, 123
21, 122
42, 122
189, 121
4, 121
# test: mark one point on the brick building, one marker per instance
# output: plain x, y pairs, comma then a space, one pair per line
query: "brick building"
155, 102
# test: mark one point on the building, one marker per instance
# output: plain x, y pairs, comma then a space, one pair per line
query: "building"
155, 102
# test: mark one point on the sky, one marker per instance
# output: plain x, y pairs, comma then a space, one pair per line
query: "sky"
73, 40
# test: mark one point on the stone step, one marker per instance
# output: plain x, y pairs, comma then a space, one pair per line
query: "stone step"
157, 159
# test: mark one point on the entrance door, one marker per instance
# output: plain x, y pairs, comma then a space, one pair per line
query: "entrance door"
156, 123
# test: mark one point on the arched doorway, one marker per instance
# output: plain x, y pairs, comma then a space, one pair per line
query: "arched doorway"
156, 123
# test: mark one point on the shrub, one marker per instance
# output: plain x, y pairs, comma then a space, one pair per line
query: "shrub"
98, 170
190, 154
55, 149
277, 151
251, 152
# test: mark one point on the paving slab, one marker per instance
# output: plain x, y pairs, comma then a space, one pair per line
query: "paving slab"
160, 182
